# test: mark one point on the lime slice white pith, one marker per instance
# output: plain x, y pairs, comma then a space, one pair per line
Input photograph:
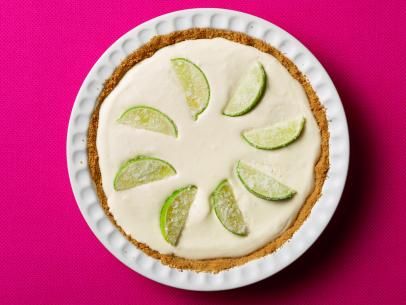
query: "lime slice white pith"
227, 210
262, 185
144, 117
275, 136
248, 93
194, 84
174, 213
141, 170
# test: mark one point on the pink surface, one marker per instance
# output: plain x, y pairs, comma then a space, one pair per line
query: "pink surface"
48, 255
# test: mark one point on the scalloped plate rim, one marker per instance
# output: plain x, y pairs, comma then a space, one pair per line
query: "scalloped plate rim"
255, 270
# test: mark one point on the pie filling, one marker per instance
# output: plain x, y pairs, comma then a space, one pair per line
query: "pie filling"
205, 149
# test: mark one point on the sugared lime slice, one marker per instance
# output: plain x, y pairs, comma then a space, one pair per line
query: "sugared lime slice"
227, 210
275, 136
262, 185
174, 213
248, 93
141, 170
144, 117
194, 84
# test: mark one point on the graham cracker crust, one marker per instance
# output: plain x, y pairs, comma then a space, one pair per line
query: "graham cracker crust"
321, 168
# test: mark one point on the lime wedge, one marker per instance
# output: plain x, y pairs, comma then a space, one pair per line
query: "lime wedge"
144, 117
174, 213
248, 93
194, 84
261, 184
226, 209
141, 170
275, 136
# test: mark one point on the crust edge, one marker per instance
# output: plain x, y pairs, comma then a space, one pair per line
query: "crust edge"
321, 167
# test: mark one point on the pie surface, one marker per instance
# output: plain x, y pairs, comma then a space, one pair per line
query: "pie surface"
207, 149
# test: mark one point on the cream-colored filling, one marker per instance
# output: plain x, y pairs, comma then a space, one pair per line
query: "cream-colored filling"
206, 150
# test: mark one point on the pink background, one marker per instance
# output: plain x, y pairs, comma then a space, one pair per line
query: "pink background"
48, 255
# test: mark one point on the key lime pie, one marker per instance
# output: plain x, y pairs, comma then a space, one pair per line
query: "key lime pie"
208, 149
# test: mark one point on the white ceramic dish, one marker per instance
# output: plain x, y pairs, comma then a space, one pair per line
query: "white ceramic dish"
255, 270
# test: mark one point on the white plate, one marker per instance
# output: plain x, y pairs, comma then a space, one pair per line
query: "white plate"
255, 270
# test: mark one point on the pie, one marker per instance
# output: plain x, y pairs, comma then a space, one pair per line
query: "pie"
208, 148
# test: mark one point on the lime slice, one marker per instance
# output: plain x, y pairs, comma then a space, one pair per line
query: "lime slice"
226, 209
261, 184
194, 84
144, 117
141, 170
275, 136
174, 213
249, 92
